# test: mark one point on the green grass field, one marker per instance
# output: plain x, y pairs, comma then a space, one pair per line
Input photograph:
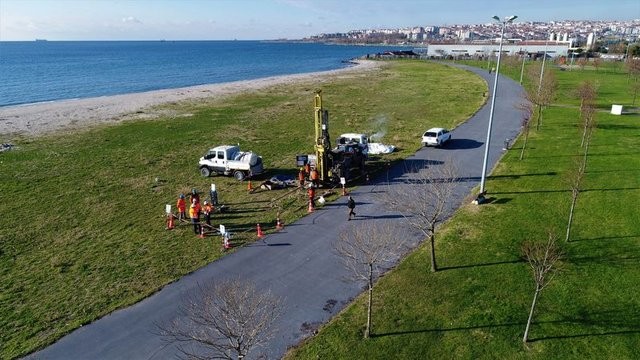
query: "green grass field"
82, 227
477, 305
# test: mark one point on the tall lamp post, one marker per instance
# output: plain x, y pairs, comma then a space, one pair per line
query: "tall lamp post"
493, 103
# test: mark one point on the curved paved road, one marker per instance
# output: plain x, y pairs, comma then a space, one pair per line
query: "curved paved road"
294, 265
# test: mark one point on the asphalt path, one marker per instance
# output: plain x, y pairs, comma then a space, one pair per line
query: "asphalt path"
297, 263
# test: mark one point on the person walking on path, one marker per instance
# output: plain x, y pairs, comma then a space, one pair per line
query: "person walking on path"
194, 213
208, 209
351, 204
182, 208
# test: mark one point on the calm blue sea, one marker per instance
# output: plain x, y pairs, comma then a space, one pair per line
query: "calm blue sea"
39, 71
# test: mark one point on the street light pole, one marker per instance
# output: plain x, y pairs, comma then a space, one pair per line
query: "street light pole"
493, 103
524, 58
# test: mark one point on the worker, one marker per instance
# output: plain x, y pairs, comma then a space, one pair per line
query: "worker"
182, 208
194, 196
208, 210
312, 196
315, 178
194, 213
351, 204
307, 169
301, 177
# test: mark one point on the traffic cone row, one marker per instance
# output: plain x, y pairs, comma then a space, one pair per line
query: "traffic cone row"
259, 230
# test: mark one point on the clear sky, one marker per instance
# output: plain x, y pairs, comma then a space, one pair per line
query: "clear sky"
272, 19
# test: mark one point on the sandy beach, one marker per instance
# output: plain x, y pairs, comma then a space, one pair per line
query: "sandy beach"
42, 118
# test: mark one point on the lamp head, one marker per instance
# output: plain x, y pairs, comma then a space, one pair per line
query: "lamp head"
507, 19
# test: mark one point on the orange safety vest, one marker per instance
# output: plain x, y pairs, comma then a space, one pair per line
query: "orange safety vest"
208, 209
194, 213
181, 205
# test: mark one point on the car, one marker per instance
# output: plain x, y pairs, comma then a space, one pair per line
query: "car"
436, 137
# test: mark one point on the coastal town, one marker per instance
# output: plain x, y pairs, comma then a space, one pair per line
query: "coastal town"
601, 35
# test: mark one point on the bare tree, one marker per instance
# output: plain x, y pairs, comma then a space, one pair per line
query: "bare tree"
540, 90
597, 62
225, 320
543, 259
633, 67
422, 199
367, 249
582, 62
589, 123
527, 109
574, 180
587, 93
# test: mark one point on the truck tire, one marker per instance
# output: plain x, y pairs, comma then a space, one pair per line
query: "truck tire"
205, 171
238, 175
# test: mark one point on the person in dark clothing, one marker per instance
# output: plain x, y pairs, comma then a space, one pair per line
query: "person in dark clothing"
351, 204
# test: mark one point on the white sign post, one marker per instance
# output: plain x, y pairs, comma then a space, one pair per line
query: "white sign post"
167, 209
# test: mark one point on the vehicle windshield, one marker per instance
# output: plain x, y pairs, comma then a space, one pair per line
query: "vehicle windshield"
430, 134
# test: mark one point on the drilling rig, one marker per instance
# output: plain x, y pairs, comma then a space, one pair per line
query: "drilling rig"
323, 142
332, 164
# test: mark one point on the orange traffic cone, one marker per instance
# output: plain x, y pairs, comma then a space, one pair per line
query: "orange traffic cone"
344, 191
260, 233
201, 236
279, 225
225, 241
170, 222
311, 208
249, 187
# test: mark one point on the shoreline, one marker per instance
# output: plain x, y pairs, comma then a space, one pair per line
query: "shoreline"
62, 115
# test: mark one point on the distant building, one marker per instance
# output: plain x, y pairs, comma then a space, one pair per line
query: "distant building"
479, 49
590, 40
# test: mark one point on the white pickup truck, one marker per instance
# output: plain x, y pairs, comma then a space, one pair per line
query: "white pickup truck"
229, 160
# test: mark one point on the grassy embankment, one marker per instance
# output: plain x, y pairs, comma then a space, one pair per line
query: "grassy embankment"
477, 305
82, 226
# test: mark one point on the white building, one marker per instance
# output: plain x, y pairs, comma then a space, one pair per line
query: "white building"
552, 49
590, 40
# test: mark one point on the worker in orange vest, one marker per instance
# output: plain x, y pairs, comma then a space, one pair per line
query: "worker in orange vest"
182, 208
194, 213
307, 169
301, 177
312, 196
208, 210
315, 178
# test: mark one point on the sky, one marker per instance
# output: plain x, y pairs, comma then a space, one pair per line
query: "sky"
272, 19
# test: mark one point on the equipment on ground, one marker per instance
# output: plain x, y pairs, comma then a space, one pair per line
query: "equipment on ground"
229, 160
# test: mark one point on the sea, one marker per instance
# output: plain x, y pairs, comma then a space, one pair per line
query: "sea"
44, 71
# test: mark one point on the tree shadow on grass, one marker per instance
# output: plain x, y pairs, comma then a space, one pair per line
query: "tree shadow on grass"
461, 328
480, 265
615, 319
607, 238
